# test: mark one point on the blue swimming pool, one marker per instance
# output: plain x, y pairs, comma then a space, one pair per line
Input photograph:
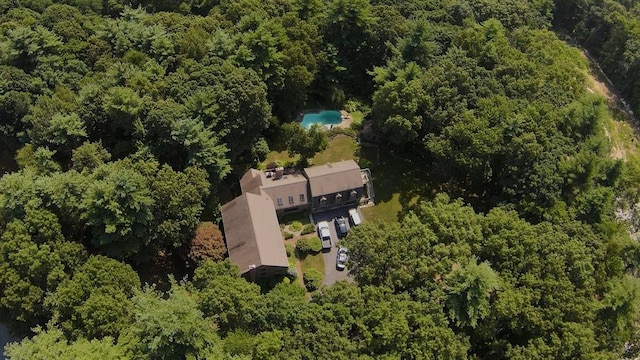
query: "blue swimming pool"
325, 117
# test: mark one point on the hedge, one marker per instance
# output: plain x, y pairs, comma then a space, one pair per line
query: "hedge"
308, 229
309, 245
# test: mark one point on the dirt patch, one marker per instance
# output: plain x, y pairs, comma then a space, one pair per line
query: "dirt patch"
620, 114
600, 88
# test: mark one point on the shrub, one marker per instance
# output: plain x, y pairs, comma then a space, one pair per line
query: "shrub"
309, 245
287, 235
312, 279
296, 226
292, 273
308, 229
289, 249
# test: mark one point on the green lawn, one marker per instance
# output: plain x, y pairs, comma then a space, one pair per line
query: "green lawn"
340, 148
280, 156
313, 262
357, 117
396, 183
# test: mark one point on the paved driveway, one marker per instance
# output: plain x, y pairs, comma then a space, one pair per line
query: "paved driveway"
331, 273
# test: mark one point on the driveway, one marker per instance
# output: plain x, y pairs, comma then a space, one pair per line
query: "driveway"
331, 273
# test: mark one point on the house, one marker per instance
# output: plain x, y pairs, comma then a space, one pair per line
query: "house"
335, 185
252, 232
287, 191
254, 240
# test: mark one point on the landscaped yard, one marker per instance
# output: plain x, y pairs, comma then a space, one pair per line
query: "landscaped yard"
281, 157
309, 261
340, 147
314, 261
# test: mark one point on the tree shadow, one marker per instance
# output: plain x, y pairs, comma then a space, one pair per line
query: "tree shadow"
399, 172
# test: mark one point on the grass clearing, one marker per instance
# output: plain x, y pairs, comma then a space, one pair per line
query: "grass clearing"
281, 157
396, 184
339, 148
357, 117
313, 262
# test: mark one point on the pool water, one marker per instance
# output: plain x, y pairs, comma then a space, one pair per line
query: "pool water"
326, 117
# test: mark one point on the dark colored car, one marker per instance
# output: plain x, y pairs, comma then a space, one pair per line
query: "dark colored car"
341, 226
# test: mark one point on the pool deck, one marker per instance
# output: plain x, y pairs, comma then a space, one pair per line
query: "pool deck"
346, 119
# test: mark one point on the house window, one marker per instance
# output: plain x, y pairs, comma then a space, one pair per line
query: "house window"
323, 201
353, 194
279, 201
290, 200
301, 197
338, 197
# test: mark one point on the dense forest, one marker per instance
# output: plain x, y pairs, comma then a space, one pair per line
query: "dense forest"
123, 124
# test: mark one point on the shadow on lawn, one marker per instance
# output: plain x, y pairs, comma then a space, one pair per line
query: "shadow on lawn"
395, 172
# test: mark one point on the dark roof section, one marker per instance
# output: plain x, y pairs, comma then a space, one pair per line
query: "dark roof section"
252, 232
334, 177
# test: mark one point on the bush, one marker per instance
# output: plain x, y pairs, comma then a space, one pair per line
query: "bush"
292, 273
287, 235
308, 229
312, 279
296, 226
289, 249
309, 245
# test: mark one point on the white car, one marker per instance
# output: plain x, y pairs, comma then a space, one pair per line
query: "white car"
324, 234
354, 217
341, 259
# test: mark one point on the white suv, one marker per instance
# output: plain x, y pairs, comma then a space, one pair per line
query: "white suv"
355, 217
324, 234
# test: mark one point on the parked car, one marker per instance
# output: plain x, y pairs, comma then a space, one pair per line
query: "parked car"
324, 234
354, 217
341, 259
341, 226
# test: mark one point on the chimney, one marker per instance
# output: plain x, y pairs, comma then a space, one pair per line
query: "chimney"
279, 172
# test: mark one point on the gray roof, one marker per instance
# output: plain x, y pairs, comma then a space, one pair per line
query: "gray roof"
334, 177
252, 232
251, 181
292, 185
